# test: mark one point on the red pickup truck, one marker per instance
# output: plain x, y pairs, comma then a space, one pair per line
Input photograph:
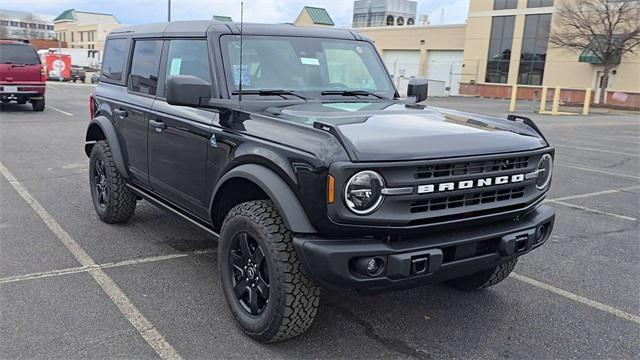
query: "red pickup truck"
22, 77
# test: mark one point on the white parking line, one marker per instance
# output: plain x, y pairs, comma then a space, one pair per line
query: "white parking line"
144, 327
58, 110
577, 298
597, 150
605, 192
595, 211
596, 171
79, 269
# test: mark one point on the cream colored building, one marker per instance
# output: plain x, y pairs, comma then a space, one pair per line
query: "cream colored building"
505, 42
533, 62
435, 52
84, 30
314, 16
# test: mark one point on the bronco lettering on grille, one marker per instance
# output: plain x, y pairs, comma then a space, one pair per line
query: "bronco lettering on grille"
469, 184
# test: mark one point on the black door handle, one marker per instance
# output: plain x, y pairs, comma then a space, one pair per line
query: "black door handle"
121, 113
159, 125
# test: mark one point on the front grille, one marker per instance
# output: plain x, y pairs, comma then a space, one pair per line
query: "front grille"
471, 167
458, 201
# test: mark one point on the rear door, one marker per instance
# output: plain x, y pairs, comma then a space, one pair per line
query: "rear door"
20, 64
132, 114
179, 137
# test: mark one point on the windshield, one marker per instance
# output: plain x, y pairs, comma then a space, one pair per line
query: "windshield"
304, 65
18, 54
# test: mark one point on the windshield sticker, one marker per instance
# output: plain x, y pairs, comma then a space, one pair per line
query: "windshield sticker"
246, 80
176, 64
347, 106
310, 61
359, 50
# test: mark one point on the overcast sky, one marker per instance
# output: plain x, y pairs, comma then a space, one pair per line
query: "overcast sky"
264, 11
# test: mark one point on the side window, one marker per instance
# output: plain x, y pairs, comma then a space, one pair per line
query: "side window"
143, 77
115, 55
188, 57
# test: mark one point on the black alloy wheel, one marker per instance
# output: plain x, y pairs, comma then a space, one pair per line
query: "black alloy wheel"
100, 183
250, 273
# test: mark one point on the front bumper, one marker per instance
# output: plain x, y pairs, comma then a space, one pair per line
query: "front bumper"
423, 259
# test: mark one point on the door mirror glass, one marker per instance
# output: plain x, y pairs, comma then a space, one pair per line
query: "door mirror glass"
187, 90
418, 88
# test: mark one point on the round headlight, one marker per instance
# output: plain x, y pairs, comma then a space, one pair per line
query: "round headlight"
545, 166
363, 193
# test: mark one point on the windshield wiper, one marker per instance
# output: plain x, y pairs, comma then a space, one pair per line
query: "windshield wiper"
268, 92
351, 93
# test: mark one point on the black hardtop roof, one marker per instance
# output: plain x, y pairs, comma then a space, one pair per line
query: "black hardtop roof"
198, 28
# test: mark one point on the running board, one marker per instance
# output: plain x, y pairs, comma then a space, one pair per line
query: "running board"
159, 203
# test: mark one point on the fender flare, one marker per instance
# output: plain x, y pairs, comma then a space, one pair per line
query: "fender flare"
111, 136
293, 214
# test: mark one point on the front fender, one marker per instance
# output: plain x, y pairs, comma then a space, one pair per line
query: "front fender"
101, 128
278, 191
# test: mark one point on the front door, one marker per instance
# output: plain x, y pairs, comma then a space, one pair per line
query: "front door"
179, 136
599, 80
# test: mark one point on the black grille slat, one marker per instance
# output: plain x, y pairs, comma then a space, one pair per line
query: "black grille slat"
471, 167
470, 199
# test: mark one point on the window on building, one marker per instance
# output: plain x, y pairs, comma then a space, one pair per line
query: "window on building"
145, 65
410, 21
49, 27
539, 3
72, 40
14, 23
81, 36
4, 23
115, 55
390, 20
23, 25
505, 4
500, 49
400, 21
534, 49
42, 26
33, 26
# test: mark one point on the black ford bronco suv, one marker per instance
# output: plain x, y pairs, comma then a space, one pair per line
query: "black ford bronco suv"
301, 159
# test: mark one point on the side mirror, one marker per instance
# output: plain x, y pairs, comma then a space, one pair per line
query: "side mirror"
418, 88
187, 90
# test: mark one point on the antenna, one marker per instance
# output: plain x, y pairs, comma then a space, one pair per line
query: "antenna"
240, 70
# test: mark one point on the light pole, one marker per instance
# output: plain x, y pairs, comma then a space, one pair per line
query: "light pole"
168, 10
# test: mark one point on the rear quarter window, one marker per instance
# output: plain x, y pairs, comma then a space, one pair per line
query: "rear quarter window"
18, 54
115, 56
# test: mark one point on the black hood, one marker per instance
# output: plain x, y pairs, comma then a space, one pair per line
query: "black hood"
388, 131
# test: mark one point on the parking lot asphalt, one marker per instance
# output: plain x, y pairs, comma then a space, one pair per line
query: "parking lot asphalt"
74, 287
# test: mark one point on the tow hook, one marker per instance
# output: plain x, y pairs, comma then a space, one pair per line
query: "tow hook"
419, 265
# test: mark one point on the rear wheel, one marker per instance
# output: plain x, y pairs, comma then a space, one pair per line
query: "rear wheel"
484, 279
262, 278
38, 105
113, 201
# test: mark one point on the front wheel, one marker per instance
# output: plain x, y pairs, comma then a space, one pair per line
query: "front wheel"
113, 201
484, 279
261, 276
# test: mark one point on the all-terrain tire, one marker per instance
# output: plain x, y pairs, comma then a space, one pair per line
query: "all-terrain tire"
119, 203
38, 105
293, 297
484, 279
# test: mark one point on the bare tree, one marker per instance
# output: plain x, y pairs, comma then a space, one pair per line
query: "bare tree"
609, 29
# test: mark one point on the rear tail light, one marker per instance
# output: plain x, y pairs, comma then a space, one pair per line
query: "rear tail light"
43, 74
91, 106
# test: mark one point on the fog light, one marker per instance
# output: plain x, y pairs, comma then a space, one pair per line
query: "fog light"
370, 266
